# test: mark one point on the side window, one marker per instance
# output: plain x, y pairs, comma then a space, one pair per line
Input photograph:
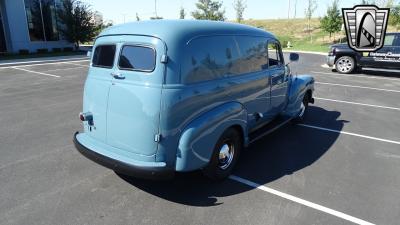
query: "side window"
274, 54
389, 40
396, 41
138, 58
209, 58
104, 56
253, 54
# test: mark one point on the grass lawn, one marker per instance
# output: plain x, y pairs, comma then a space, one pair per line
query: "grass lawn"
40, 55
295, 31
309, 47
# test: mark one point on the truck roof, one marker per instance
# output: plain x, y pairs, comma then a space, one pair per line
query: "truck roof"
183, 30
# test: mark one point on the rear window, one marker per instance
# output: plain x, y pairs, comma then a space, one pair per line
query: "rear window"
139, 58
104, 56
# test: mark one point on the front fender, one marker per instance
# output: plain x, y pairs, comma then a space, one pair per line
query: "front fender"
299, 86
198, 139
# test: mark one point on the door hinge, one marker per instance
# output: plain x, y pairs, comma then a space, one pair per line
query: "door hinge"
157, 138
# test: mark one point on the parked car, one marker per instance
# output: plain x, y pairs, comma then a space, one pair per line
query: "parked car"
165, 96
346, 60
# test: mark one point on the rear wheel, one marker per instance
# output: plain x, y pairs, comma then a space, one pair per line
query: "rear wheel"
345, 64
225, 155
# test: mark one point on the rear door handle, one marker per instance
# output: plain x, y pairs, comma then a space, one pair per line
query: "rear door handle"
118, 76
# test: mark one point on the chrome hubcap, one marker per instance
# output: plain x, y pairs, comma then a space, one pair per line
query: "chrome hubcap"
345, 64
226, 154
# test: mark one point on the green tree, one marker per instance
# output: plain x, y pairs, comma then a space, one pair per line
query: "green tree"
368, 2
384, 3
239, 6
332, 21
209, 10
77, 22
394, 18
309, 11
182, 13
103, 26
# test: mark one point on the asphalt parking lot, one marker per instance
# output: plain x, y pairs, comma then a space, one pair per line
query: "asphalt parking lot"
342, 166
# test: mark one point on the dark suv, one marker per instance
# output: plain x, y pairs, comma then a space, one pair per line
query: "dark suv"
346, 60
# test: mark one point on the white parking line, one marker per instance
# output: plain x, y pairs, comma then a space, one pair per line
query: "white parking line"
40, 73
357, 103
355, 86
360, 76
301, 201
351, 134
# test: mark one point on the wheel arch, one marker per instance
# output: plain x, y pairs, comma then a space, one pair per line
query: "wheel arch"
299, 87
199, 137
355, 58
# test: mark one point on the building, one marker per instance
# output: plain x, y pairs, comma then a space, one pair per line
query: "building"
30, 25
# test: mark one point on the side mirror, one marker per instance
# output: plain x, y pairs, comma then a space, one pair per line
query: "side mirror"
89, 53
294, 57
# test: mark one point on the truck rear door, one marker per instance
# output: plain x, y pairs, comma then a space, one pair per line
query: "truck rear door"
97, 86
133, 111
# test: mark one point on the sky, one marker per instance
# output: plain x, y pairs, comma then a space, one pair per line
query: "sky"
120, 11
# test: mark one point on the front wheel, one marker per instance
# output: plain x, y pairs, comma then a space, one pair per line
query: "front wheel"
225, 155
345, 64
303, 109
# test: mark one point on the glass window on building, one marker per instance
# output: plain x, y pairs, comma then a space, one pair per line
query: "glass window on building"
49, 12
34, 17
42, 19
3, 45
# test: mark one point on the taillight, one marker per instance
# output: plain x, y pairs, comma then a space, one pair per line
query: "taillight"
86, 117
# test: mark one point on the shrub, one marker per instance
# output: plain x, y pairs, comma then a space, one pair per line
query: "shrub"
57, 49
284, 43
42, 50
7, 54
24, 52
68, 49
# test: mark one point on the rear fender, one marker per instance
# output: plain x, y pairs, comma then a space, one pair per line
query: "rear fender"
299, 86
198, 139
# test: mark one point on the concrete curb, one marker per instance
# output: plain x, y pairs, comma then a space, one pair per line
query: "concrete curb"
40, 60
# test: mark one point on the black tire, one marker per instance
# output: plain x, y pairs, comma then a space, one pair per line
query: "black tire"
300, 118
345, 64
216, 169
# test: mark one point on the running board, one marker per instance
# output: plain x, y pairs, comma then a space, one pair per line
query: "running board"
269, 128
